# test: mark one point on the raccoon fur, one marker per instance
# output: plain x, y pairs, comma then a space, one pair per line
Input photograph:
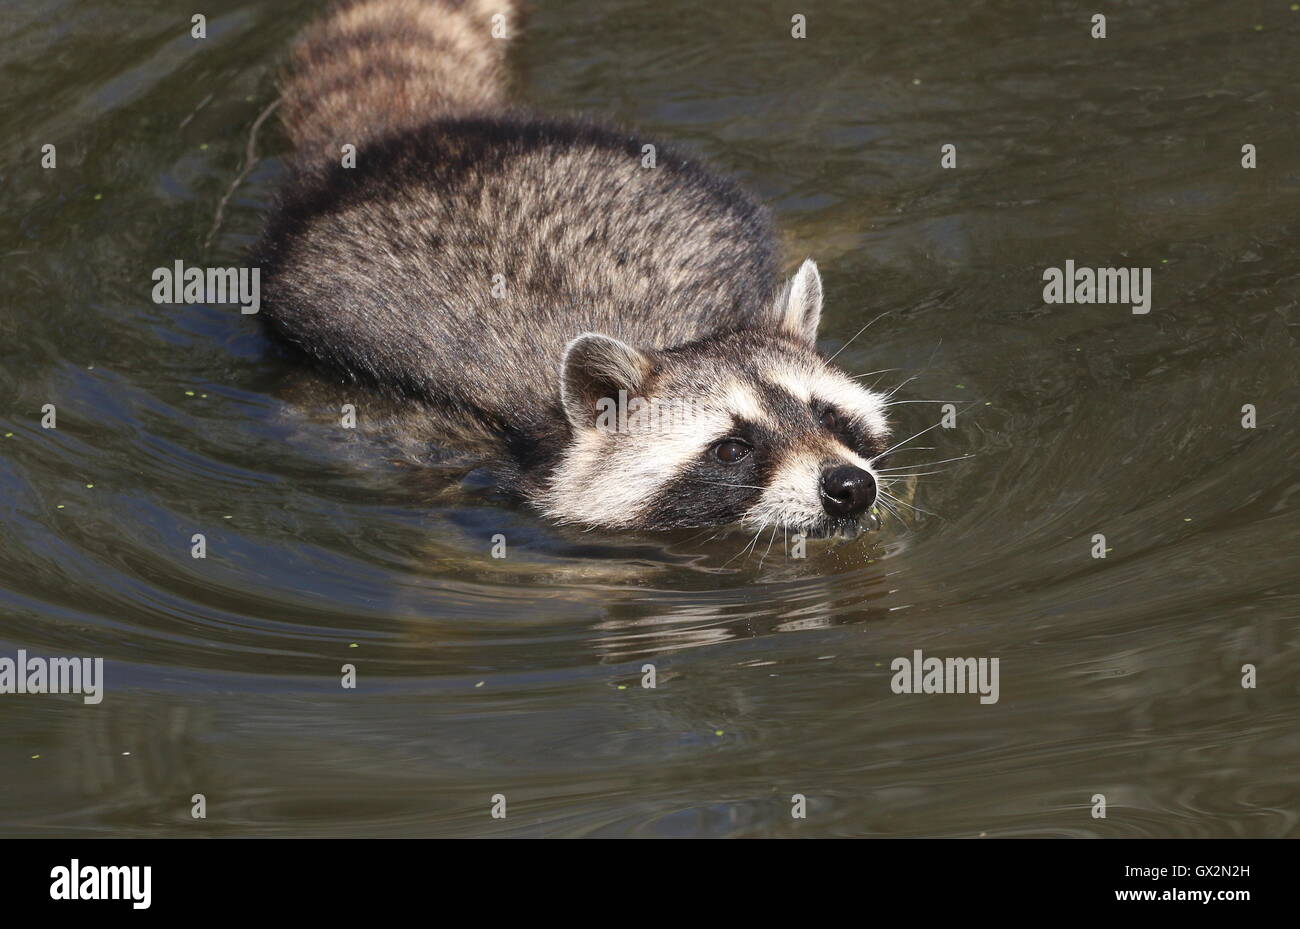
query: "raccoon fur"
515, 275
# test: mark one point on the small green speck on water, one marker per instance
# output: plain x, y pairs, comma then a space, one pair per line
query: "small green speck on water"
203, 147
204, 396
36, 756
58, 506
717, 732
9, 435
480, 683
248, 99
88, 486
1259, 28
988, 403
189, 393
961, 386
1187, 519
353, 645
227, 517
99, 196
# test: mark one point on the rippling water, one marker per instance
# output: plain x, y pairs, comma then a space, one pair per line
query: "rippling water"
522, 676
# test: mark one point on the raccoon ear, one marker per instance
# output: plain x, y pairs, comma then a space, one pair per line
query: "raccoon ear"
597, 367
799, 303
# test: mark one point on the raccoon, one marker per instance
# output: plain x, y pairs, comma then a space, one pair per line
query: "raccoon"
514, 276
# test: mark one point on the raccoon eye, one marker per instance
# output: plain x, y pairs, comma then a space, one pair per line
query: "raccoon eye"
729, 451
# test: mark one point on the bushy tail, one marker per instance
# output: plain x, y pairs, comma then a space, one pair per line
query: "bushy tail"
377, 66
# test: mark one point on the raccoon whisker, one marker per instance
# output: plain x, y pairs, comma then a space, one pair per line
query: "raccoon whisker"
775, 527
926, 370
905, 441
891, 511
897, 402
925, 463
721, 484
888, 485
910, 480
898, 515
901, 502
902, 385
753, 546
910, 506
745, 551
858, 333
699, 534
858, 377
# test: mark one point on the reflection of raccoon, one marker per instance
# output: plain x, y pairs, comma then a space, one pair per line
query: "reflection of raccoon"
509, 272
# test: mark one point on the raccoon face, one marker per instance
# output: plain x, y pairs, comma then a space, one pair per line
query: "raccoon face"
752, 427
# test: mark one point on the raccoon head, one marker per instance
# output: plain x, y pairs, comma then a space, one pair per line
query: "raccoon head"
752, 427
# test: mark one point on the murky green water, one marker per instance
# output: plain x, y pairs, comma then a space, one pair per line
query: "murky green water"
521, 676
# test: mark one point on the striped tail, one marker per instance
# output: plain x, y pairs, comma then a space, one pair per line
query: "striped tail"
375, 67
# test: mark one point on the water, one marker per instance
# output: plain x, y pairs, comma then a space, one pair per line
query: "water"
522, 676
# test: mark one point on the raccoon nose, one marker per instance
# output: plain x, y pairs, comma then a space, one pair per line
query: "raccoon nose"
847, 491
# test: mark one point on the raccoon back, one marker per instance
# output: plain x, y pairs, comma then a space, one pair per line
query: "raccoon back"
466, 247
